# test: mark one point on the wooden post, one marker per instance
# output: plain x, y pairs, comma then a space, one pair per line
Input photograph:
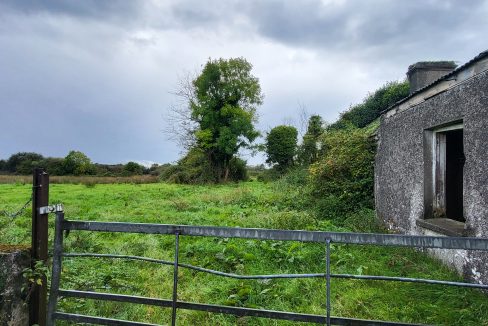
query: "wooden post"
40, 198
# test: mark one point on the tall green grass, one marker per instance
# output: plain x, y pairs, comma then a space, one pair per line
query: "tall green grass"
251, 204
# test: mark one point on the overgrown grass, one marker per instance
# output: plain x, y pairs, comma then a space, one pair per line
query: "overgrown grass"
252, 204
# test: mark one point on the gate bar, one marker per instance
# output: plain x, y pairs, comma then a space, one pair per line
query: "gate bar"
98, 320
280, 276
468, 243
238, 311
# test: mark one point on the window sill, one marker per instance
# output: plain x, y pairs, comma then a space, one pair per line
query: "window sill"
444, 226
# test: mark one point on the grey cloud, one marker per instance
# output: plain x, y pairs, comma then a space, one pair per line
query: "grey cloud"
93, 9
357, 24
98, 73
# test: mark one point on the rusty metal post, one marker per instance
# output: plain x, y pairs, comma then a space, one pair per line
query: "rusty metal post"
40, 198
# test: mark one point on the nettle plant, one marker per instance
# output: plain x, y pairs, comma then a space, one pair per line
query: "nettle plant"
34, 276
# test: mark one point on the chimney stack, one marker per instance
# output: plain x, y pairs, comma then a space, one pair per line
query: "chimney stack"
423, 73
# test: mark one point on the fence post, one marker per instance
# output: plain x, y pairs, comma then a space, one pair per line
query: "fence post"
327, 280
40, 198
175, 279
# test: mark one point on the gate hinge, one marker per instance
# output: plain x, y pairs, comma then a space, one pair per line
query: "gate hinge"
51, 209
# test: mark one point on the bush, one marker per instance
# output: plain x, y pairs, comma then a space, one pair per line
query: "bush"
342, 180
269, 175
195, 168
281, 146
238, 169
23, 162
361, 115
133, 168
308, 151
77, 163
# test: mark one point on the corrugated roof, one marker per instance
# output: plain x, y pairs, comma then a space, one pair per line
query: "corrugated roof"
479, 57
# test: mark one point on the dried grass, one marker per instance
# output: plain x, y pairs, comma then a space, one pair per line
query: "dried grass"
85, 180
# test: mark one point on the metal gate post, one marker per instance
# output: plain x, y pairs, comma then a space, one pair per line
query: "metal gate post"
175, 279
56, 269
327, 281
40, 197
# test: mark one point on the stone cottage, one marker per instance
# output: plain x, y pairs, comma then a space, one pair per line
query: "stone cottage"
431, 169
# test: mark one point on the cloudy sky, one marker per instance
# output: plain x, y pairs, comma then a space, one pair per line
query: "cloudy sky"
97, 76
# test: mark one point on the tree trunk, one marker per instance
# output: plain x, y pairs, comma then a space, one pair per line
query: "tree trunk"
226, 175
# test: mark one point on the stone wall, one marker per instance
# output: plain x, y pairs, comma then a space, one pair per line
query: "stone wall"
13, 309
399, 168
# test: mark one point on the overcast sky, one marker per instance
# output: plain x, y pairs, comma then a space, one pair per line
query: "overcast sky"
97, 76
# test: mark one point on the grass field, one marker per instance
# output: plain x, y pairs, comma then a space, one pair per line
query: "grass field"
251, 204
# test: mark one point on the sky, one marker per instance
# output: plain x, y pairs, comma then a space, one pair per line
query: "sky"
100, 76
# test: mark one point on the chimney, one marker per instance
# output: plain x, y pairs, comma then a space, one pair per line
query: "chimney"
423, 73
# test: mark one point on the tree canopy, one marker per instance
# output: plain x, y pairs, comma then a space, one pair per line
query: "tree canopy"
222, 103
360, 115
77, 163
309, 149
281, 145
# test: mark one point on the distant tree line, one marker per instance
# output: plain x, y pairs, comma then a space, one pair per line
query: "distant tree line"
75, 163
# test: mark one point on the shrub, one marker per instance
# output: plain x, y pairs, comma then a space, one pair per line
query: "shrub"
23, 162
195, 168
53, 165
269, 175
342, 180
281, 146
361, 115
238, 169
77, 163
308, 151
133, 168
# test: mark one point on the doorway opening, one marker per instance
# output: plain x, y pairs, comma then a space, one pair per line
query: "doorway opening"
448, 167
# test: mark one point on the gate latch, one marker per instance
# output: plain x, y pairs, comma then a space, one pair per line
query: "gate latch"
51, 209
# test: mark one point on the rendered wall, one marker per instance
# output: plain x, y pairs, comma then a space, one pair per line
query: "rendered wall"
399, 167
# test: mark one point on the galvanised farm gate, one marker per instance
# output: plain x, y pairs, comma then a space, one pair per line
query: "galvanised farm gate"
326, 238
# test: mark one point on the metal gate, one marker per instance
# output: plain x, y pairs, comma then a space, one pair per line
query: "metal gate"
245, 233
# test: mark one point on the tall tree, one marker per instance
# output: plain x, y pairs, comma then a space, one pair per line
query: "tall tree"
281, 146
222, 103
77, 163
309, 150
